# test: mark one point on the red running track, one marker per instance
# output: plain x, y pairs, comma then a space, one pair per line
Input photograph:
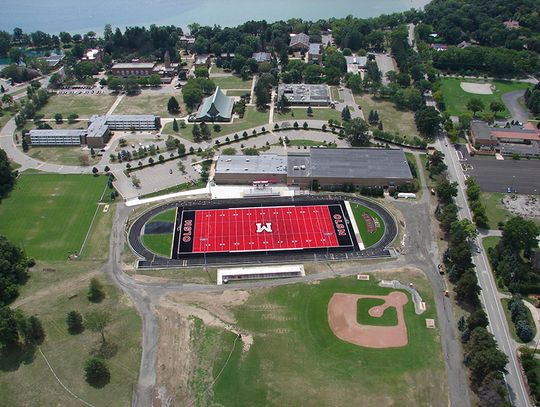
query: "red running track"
280, 228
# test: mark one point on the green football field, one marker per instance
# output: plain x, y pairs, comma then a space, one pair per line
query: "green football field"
368, 238
296, 360
49, 215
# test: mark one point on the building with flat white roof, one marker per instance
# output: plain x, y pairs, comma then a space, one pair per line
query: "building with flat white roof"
303, 94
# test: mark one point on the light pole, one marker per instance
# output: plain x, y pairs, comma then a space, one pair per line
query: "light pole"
327, 234
204, 239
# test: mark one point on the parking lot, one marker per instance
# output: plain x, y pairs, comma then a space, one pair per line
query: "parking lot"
521, 176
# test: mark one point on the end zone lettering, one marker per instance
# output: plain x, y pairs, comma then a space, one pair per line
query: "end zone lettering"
340, 226
187, 230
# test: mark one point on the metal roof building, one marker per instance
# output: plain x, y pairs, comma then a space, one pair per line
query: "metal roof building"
244, 169
216, 108
301, 94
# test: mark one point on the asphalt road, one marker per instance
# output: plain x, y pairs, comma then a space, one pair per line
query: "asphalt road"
489, 294
511, 100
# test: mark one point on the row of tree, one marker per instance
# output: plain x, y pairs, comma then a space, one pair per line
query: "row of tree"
479, 210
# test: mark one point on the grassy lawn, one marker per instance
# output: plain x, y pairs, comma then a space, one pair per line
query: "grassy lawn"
149, 104
232, 82
490, 242
456, 98
388, 318
295, 359
166, 216
369, 239
158, 244
511, 325
300, 113
394, 121
412, 159
61, 155
335, 94
177, 188
52, 291
49, 215
252, 118
83, 105
5, 115
495, 210
237, 92
310, 143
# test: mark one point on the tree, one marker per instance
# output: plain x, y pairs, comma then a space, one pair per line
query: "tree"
96, 372
427, 121
346, 113
7, 176
435, 163
475, 105
309, 111
97, 321
496, 107
446, 191
9, 334
34, 332
95, 171
72, 117
24, 144
173, 107
520, 235
95, 291
58, 118
356, 131
175, 125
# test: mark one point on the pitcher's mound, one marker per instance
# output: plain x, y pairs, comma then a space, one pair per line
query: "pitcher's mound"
477, 88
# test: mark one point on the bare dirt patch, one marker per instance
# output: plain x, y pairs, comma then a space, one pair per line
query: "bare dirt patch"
343, 323
522, 205
477, 88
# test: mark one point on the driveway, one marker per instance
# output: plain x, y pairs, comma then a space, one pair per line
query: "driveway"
511, 100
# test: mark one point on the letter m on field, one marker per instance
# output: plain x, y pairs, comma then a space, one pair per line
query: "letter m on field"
264, 228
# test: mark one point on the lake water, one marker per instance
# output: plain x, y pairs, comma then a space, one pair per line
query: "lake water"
81, 16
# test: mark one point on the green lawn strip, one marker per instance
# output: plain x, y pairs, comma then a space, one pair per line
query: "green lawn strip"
300, 115
490, 242
430, 182
149, 104
238, 92
388, 318
456, 98
369, 239
177, 188
232, 82
252, 118
511, 325
295, 349
309, 143
166, 216
412, 159
335, 94
158, 244
83, 105
394, 121
49, 215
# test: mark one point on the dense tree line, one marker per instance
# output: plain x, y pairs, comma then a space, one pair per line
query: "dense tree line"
7, 175
477, 207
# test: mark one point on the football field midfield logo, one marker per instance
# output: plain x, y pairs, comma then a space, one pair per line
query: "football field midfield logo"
267, 227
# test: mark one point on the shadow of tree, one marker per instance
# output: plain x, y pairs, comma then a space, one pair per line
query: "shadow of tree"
12, 357
105, 350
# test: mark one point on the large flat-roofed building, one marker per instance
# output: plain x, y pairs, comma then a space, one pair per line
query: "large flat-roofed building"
300, 94
333, 167
215, 108
244, 169
96, 135
133, 69
330, 167
523, 140
56, 137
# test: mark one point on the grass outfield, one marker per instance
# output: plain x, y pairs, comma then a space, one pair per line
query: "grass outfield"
50, 214
456, 98
232, 82
388, 318
296, 360
83, 105
158, 244
369, 239
149, 104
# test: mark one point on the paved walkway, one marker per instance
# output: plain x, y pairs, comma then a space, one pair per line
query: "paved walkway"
116, 103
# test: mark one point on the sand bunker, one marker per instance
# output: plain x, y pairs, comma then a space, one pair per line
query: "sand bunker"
477, 88
342, 309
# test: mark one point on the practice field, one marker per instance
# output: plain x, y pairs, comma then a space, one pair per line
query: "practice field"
261, 229
455, 98
296, 360
83, 105
49, 215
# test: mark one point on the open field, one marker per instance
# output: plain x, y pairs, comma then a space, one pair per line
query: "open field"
159, 244
300, 113
83, 105
49, 215
149, 104
252, 118
455, 98
394, 121
232, 82
490, 241
495, 210
68, 155
295, 359
369, 239
52, 291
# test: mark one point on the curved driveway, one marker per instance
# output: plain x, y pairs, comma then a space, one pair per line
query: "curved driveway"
511, 100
